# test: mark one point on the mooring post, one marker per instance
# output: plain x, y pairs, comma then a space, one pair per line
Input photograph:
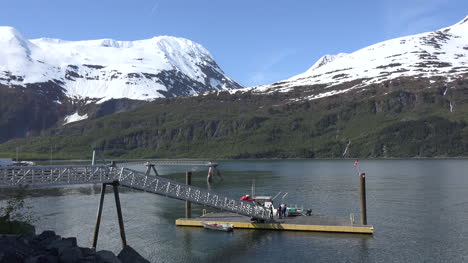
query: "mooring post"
98, 217
188, 204
116, 184
362, 188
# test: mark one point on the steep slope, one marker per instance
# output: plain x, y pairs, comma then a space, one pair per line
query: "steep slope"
416, 109
443, 53
401, 123
322, 62
108, 69
67, 81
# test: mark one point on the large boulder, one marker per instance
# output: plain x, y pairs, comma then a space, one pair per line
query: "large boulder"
60, 244
105, 256
70, 255
129, 255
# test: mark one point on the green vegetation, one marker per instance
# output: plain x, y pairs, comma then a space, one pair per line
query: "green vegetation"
15, 216
404, 120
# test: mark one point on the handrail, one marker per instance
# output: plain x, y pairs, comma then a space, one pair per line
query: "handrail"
49, 176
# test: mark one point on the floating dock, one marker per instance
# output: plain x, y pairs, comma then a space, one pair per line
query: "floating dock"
315, 223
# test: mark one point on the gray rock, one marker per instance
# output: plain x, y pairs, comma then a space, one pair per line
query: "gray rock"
89, 259
70, 255
46, 234
46, 242
88, 251
129, 255
42, 259
60, 244
11, 257
105, 256
29, 240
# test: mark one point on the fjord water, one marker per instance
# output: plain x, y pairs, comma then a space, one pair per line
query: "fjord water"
419, 209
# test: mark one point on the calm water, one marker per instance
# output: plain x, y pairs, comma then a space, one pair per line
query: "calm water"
419, 209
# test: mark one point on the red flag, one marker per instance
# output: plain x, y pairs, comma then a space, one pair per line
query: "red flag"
355, 163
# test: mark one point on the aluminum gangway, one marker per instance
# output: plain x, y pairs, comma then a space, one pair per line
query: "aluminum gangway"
50, 176
169, 162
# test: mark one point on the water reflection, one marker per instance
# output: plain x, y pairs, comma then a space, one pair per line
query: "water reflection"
418, 208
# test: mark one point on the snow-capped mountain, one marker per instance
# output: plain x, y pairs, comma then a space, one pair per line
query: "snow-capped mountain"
322, 62
108, 69
443, 53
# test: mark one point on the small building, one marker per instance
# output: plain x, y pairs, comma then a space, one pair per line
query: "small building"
6, 162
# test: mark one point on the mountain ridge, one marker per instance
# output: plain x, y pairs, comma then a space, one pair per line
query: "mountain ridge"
50, 82
106, 69
384, 112
439, 53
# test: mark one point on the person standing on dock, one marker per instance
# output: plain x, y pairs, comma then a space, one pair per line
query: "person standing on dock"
283, 209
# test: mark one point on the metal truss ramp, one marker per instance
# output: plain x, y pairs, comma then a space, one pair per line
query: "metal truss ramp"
50, 176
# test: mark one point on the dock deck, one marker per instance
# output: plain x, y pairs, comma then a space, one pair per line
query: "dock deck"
299, 223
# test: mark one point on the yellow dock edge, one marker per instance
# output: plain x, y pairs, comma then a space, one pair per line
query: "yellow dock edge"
288, 227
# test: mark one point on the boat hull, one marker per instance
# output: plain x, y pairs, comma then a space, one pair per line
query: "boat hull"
218, 227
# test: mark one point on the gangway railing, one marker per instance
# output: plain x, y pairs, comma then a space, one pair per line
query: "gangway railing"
169, 162
170, 188
49, 176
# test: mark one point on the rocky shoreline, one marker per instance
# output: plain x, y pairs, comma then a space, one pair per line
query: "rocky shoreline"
50, 247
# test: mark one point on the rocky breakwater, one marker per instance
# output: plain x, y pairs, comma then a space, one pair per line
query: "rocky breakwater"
49, 247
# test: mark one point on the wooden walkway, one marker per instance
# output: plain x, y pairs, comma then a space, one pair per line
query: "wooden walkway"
300, 223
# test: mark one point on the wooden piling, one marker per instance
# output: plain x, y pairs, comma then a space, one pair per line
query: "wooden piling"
188, 204
362, 189
98, 217
116, 184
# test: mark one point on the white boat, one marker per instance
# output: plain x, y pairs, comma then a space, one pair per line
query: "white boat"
267, 202
217, 226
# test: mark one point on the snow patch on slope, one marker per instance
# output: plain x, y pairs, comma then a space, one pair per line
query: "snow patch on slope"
322, 62
74, 117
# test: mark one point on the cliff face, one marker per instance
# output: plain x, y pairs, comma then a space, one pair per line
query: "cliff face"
404, 97
27, 112
50, 82
411, 118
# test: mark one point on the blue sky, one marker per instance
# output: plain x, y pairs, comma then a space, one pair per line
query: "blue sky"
254, 41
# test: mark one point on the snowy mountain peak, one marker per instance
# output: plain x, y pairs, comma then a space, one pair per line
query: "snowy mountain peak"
323, 61
442, 53
9, 33
460, 27
15, 50
105, 68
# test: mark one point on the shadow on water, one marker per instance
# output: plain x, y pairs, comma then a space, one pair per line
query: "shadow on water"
219, 250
